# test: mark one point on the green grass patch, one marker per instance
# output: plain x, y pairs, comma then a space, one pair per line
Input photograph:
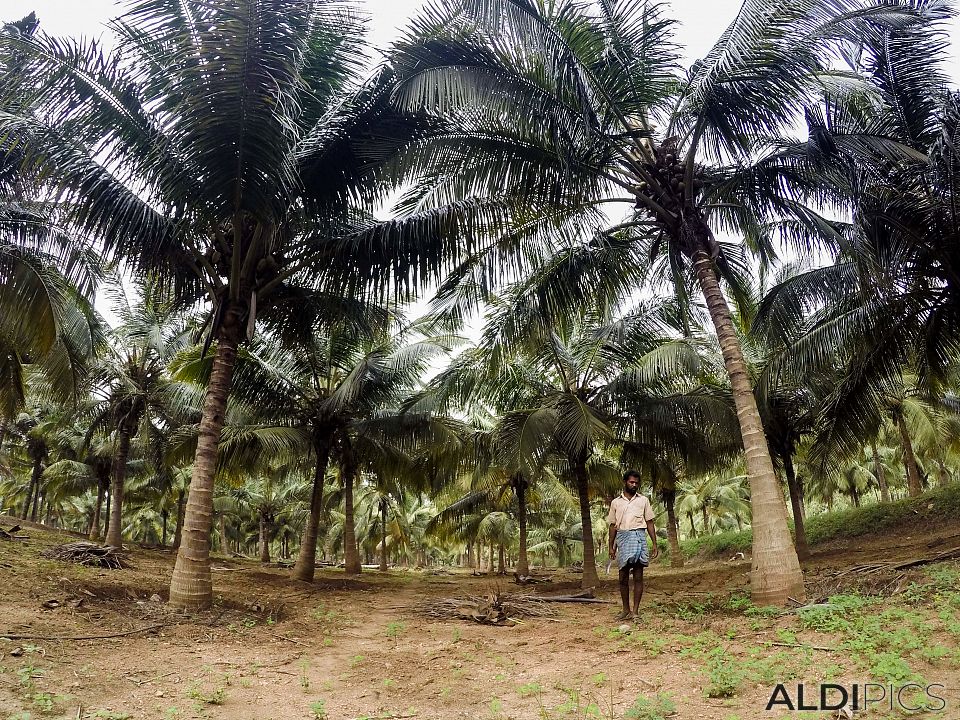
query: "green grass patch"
935, 507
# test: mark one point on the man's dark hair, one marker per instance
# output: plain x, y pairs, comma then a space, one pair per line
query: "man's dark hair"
630, 474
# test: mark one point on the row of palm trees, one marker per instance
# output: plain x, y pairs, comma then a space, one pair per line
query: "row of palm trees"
231, 156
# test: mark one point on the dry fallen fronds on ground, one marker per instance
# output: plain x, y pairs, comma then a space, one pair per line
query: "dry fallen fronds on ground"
90, 554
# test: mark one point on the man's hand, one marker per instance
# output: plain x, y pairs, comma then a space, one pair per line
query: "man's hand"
654, 551
612, 550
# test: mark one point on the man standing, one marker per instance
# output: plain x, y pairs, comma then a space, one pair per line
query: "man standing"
630, 521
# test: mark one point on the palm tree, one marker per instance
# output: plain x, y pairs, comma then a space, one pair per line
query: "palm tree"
83, 465
131, 384
565, 386
337, 389
882, 312
554, 112
243, 157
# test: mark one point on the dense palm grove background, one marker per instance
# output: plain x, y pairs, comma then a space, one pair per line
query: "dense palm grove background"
739, 277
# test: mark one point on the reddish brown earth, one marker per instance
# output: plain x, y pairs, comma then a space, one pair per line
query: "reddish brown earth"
357, 648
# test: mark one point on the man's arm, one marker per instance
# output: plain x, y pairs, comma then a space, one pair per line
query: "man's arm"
613, 537
652, 534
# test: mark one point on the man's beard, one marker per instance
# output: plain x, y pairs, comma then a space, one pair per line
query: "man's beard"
630, 491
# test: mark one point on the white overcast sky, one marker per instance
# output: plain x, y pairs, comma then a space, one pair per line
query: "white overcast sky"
701, 20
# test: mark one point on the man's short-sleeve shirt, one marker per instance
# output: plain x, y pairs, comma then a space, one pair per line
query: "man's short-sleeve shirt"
630, 513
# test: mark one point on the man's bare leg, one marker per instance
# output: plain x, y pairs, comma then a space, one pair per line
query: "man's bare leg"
625, 590
637, 587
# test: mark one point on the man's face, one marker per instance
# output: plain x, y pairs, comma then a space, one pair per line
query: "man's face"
630, 485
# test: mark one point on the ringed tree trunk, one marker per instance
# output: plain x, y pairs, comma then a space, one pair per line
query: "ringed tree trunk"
264, 542
590, 576
501, 567
222, 527
351, 553
118, 474
520, 487
879, 472
102, 481
163, 537
673, 527
383, 535
307, 557
178, 533
776, 574
34, 483
796, 503
915, 487
191, 587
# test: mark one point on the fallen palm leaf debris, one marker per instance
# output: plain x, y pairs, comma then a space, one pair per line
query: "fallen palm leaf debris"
492, 609
90, 554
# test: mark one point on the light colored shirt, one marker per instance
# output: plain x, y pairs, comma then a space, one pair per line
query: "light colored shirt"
628, 513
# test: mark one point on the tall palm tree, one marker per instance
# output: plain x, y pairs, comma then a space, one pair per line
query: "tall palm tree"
243, 160
555, 111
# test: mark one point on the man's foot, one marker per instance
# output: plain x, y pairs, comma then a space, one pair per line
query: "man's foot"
624, 615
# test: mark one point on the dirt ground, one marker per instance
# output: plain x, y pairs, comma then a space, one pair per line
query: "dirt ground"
273, 648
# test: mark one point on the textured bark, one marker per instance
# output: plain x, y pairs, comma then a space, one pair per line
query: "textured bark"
307, 557
102, 481
880, 473
470, 562
776, 574
590, 576
178, 533
118, 475
224, 546
383, 537
191, 587
351, 554
673, 529
796, 503
163, 537
523, 565
501, 566
34, 482
914, 485
264, 542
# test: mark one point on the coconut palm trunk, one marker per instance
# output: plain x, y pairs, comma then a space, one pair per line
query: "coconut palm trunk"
520, 487
305, 567
118, 475
178, 533
163, 537
501, 566
191, 587
590, 576
673, 527
796, 504
914, 485
351, 553
34, 483
264, 542
776, 574
879, 472
383, 535
102, 481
